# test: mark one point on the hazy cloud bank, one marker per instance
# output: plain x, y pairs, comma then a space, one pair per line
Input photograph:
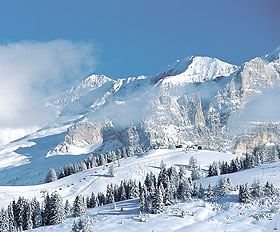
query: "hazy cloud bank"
32, 71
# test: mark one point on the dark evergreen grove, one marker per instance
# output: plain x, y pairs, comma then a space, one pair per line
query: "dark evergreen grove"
261, 154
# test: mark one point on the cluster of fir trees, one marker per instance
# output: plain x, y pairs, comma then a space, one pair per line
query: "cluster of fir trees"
114, 193
171, 186
256, 190
24, 215
93, 160
261, 154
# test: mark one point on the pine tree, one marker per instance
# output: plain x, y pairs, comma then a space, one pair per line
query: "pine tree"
75, 227
157, 201
92, 201
12, 223
109, 194
257, 189
57, 212
4, 221
83, 225
270, 189
111, 171
142, 201
196, 173
36, 214
173, 180
182, 174
79, 206
133, 190
210, 192
19, 211
229, 184
122, 193
67, 207
61, 173
27, 217
195, 190
46, 210
201, 191
244, 194
168, 196
51, 176
222, 187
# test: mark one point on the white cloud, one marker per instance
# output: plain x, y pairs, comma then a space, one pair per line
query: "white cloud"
31, 71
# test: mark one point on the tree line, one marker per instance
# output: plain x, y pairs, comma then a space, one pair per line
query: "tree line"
261, 154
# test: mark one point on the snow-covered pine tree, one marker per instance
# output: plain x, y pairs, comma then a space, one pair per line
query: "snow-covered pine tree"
61, 173
222, 187
196, 173
83, 225
111, 171
19, 211
168, 195
46, 210
244, 194
229, 184
201, 191
4, 221
270, 190
182, 174
36, 213
51, 176
181, 191
173, 179
195, 190
57, 212
79, 206
257, 190
27, 217
142, 201
157, 201
92, 201
163, 177
109, 194
210, 193
67, 207
75, 227
12, 223
133, 190
122, 193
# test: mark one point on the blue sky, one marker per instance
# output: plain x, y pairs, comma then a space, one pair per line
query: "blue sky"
139, 37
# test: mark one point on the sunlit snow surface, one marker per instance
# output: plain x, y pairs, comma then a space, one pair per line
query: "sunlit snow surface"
200, 216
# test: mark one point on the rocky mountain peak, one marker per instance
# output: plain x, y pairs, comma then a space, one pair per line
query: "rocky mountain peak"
194, 69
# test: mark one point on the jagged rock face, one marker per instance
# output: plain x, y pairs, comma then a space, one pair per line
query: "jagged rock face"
257, 133
81, 134
178, 110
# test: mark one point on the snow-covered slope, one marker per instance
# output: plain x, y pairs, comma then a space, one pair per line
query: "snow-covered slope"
200, 215
96, 179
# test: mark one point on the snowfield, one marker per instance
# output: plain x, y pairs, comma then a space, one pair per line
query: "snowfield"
225, 215
96, 179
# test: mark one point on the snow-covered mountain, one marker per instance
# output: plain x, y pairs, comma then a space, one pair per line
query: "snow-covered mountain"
198, 100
